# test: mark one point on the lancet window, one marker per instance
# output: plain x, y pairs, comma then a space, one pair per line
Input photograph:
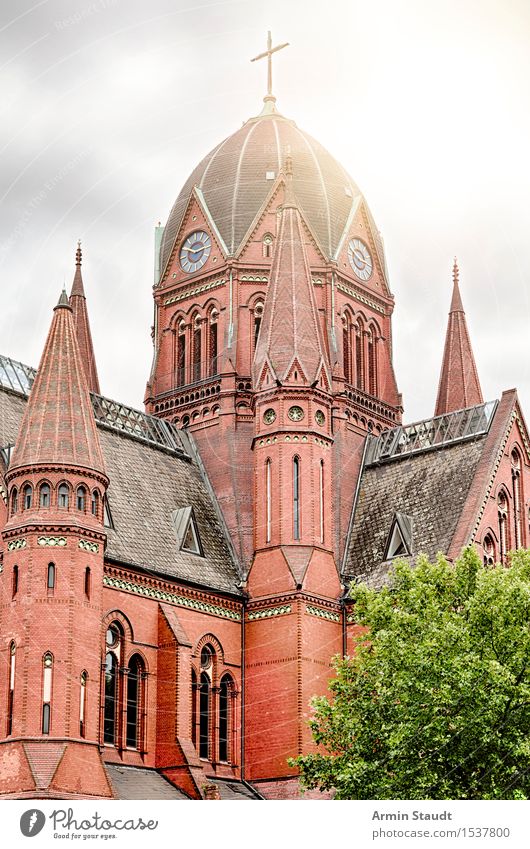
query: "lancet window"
47, 671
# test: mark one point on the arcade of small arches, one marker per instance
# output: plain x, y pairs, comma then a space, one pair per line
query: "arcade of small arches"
359, 350
196, 354
63, 496
509, 532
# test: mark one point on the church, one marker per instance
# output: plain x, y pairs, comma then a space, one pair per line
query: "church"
175, 580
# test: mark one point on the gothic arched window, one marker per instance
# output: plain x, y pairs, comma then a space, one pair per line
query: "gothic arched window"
95, 502
15, 581
196, 337
359, 355
517, 497
87, 581
82, 702
11, 693
213, 327
225, 692
267, 245
346, 348
14, 500
50, 577
504, 543
28, 496
321, 499
44, 495
296, 498
194, 707
111, 714
258, 315
489, 550
63, 496
47, 663
181, 354
81, 498
204, 716
372, 363
135, 702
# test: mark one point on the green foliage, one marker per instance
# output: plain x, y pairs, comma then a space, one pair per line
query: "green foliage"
435, 702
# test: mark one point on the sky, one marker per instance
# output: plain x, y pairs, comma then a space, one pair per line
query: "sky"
107, 105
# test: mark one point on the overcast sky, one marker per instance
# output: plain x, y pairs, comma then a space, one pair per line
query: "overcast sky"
106, 106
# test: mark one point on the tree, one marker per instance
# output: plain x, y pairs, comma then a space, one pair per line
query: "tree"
435, 702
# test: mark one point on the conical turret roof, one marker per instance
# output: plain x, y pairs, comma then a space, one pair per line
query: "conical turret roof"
58, 427
82, 325
459, 385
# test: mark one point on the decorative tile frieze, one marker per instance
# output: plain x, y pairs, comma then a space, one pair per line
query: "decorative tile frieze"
88, 546
269, 612
322, 614
16, 544
52, 541
350, 618
189, 293
254, 278
172, 598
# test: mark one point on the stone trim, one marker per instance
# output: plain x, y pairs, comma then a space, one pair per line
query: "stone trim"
88, 546
52, 541
489, 487
15, 544
171, 597
358, 297
322, 614
268, 612
189, 293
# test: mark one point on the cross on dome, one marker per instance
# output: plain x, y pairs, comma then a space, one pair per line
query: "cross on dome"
268, 53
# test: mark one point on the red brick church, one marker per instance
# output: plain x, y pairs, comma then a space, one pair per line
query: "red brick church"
174, 581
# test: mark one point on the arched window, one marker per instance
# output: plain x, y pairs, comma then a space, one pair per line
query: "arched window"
87, 581
204, 716
63, 496
50, 577
11, 694
504, 544
14, 500
28, 496
181, 354
267, 245
95, 502
15, 580
517, 497
296, 498
47, 663
268, 491
196, 348
82, 703
111, 714
135, 706
372, 364
81, 498
44, 495
489, 550
225, 692
359, 355
212, 343
194, 707
258, 315
346, 348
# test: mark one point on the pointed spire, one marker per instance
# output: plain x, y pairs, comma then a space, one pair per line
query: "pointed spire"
459, 386
58, 426
290, 336
63, 300
82, 325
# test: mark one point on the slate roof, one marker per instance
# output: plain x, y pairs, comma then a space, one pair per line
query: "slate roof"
130, 782
147, 484
430, 487
233, 181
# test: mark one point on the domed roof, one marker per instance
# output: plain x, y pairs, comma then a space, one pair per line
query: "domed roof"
236, 177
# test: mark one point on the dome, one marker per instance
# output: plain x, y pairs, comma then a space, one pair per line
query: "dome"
236, 177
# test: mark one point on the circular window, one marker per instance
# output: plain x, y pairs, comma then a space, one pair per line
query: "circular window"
113, 636
206, 657
320, 417
269, 416
296, 414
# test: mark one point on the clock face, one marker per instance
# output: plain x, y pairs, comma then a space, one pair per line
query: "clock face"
195, 251
360, 259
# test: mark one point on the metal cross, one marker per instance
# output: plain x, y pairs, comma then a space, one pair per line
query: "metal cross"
268, 53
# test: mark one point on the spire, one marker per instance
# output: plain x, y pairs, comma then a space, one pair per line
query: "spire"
58, 426
290, 337
82, 325
459, 385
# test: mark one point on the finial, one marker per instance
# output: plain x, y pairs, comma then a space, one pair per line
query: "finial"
455, 272
78, 253
268, 54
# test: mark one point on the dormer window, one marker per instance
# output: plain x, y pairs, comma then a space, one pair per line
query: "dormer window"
399, 541
187, 531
